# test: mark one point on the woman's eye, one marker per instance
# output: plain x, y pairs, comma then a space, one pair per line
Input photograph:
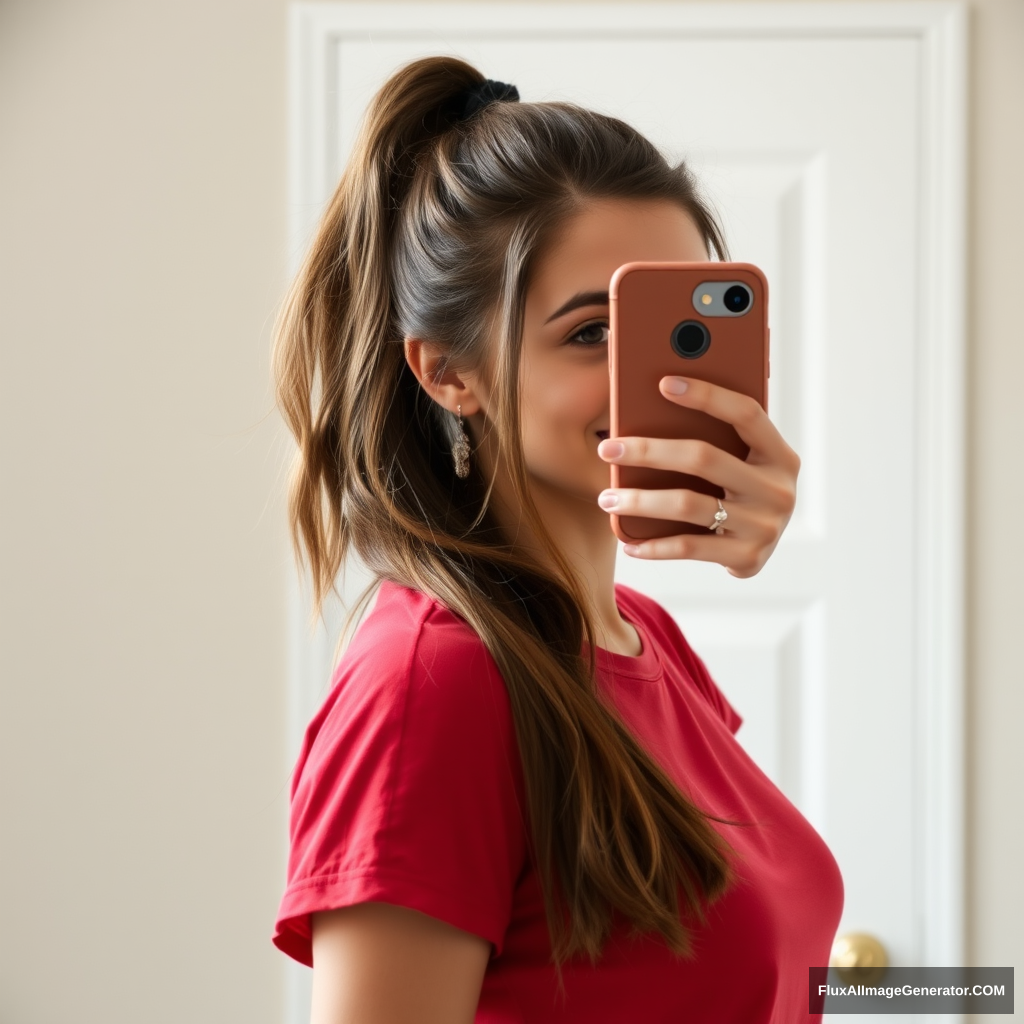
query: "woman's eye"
590, 335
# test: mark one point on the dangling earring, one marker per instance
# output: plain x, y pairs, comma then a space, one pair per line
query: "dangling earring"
460, 451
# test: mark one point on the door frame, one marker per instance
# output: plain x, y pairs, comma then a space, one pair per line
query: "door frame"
938, 529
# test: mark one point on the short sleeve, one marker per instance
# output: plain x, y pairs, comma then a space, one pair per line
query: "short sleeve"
409, 787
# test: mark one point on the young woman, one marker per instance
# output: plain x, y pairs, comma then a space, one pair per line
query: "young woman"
522, 800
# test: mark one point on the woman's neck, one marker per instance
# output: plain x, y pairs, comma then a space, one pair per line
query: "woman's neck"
581, 531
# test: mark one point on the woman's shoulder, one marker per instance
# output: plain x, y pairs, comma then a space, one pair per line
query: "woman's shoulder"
409, 634
411, 659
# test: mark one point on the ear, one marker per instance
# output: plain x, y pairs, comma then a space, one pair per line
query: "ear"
445, 386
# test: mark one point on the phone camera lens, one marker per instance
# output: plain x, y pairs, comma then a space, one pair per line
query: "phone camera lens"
691, 339
736, 298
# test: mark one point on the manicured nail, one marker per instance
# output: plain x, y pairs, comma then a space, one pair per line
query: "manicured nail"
610, 449
607, 499
675, 385
631, 549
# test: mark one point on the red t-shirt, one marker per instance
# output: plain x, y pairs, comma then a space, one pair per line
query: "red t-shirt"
409, 790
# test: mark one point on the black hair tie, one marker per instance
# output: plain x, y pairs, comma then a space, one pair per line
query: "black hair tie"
472, 100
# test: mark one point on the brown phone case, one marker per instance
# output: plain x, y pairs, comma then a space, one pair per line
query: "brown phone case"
647, 302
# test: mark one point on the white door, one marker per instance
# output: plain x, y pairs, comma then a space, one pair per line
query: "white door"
826, 136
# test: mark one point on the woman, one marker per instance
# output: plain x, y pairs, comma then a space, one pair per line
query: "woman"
522, 799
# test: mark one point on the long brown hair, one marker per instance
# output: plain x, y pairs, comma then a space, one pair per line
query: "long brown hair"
431, 234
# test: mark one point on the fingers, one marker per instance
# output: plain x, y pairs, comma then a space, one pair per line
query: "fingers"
744, 413
742, 557
688, 507
684, 455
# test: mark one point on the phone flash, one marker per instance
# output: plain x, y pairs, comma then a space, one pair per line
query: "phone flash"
706, 299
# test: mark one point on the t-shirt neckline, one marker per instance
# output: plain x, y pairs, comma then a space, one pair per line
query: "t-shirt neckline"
645, 665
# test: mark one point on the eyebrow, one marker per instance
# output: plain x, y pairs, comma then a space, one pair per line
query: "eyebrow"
578, 300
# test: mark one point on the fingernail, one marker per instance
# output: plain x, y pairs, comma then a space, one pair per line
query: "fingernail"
607, 499
610, 449
631, 549
675, 385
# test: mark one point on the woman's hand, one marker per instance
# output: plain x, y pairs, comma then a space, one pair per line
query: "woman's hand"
760, 493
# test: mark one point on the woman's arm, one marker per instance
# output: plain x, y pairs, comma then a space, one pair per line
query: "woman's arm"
376, 963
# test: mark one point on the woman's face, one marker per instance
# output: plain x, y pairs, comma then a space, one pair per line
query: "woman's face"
564, 368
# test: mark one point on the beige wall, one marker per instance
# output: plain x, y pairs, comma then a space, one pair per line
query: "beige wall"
142, 193
142, 252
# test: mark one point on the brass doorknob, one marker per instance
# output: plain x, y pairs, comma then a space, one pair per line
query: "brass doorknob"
859, 959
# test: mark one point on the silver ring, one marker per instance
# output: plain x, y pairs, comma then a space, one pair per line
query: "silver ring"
720, 517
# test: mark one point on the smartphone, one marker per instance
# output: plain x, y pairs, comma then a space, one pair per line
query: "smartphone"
703, 320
